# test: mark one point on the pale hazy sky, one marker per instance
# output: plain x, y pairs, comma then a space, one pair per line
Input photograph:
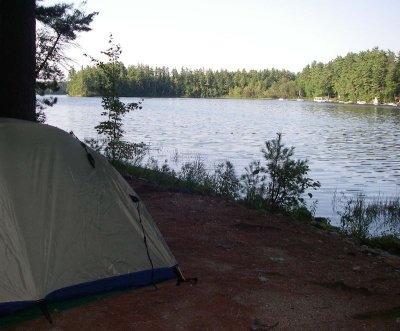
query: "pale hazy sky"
236, 34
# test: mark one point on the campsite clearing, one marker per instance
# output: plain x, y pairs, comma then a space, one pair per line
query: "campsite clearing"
256, 272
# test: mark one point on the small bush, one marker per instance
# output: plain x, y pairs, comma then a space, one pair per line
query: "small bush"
165, 171
302, 214
195, 174
224, 181
252, 186
119, 151
281, 183
123, 151
390, 243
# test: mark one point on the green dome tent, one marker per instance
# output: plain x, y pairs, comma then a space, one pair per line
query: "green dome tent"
70, 225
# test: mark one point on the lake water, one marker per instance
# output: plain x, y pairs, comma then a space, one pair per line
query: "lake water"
350, 148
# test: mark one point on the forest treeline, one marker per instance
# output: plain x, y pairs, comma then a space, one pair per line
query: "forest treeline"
362, 76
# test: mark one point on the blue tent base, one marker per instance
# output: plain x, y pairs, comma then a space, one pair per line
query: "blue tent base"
34, 311
84, 290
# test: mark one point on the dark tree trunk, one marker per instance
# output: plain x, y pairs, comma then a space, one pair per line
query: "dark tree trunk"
17, 35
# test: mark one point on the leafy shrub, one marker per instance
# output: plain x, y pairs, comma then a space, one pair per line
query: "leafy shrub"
119, 151
389, 242
252, 186
281, 183
165, 169
302, 214
224, 180
194, 173
123, 151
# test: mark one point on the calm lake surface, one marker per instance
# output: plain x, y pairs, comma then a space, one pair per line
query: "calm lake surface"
350, 148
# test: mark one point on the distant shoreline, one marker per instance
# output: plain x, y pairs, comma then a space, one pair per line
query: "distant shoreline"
391, 105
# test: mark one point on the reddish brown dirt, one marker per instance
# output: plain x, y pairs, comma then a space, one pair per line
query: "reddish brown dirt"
256, 272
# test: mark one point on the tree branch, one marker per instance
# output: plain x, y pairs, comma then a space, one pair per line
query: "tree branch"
50, 53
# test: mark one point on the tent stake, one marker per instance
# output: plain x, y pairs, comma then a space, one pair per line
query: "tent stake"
43, 307
182, 279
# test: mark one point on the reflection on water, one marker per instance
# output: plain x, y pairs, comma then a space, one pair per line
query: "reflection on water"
351, 148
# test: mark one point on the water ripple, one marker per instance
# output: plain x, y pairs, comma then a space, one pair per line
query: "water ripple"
350, 148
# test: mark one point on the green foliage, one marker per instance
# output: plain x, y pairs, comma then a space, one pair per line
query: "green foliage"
287, 177
194, 173
224, 181
363, 76
57, 28
357, 217
192, 177
152, 172
260, 187
362, 218
133, 153
388, 242
302, 214
281, 183
253, 186
142, 80
307, 215
111, 128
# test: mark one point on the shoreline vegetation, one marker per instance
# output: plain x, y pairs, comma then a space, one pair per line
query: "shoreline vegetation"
374, 222
368, 77
277, 183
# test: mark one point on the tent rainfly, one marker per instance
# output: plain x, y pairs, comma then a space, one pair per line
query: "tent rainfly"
70, 225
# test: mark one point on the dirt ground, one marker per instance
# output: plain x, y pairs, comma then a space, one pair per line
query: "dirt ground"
256, 272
